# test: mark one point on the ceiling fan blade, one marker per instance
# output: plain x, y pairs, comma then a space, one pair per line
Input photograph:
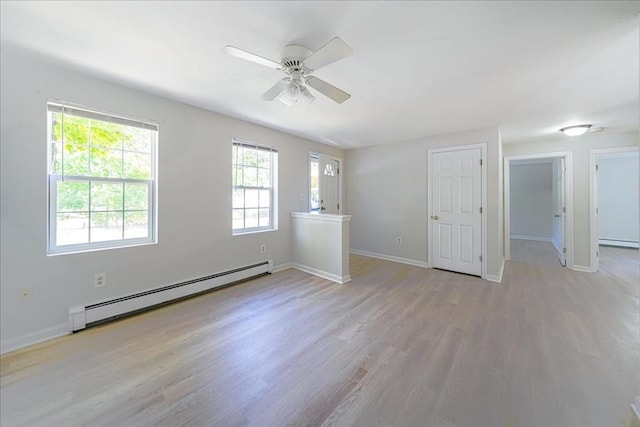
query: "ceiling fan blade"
243, 54
334, 50
338, 95
275, 90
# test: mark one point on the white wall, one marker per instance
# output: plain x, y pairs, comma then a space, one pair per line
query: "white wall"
618, 197
387, 196
580, 146
531, 204
320, 244
194, 199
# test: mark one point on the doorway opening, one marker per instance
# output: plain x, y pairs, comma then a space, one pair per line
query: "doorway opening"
539, 208
614, 208
325, 184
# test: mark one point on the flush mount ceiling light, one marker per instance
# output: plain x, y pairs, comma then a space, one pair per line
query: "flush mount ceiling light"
576, 130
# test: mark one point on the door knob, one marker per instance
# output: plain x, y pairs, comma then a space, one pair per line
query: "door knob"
556, 216
435, 217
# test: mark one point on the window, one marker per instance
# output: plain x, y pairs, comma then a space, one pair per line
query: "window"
102, 186
254, 173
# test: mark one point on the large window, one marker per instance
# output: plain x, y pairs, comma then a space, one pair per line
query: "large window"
254, 182
102, 185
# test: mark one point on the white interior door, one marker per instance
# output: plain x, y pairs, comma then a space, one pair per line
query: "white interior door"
456, 210
329, 184
559, 209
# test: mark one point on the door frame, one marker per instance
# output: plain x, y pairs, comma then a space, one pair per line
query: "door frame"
594, 260
568, 194
340, 182
483, 195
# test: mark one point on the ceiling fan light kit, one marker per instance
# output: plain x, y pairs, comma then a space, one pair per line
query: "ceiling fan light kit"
576, 130
298, 63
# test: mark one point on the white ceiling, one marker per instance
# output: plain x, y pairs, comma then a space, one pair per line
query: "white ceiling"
418, 68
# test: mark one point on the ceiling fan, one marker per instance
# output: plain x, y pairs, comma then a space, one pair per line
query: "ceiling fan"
298, 63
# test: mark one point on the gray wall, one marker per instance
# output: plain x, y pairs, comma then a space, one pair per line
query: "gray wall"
618, 197
194, 199
387, 196
531, 204
580, 146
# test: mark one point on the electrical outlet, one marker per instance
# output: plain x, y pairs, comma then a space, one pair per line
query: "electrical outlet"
263, 249
26, 293
99, 280
302, 196
399, 240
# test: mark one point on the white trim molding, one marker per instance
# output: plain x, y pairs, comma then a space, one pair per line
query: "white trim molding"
391, 258
281, 267
34, 338
497, 278
583, 269
635, 408
322, 216
325, 275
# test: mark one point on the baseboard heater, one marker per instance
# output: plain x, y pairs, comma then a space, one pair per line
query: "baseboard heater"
619, 243
81, 317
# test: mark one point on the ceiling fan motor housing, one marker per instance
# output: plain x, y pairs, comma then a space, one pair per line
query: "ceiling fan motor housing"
292, 57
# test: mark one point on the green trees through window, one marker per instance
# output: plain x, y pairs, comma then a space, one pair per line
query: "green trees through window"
102, 180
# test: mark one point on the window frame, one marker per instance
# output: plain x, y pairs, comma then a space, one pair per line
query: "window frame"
53, 179
273, 190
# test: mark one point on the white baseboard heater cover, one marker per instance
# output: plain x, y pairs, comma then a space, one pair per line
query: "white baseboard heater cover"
83, 316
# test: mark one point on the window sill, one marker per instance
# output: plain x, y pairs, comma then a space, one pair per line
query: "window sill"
98, 249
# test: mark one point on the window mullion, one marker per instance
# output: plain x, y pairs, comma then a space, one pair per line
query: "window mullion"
89, 146
124, 188
62, 134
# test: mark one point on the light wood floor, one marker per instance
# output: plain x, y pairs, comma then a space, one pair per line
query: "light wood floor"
398, 345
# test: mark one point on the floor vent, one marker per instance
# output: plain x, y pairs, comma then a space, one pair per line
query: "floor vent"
84, 316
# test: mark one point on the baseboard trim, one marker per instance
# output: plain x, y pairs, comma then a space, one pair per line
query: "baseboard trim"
320, 273
582, 268
635, 408
390, 258
281, 267
537, 239
34, 338
496, 278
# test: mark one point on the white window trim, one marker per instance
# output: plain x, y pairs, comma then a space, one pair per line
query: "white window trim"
273, 202
53, 179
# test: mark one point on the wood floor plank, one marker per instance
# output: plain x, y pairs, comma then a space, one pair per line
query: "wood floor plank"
398, 345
